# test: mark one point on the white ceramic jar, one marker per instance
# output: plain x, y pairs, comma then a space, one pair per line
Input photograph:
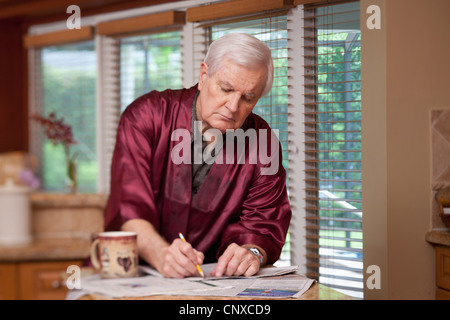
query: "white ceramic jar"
15, 214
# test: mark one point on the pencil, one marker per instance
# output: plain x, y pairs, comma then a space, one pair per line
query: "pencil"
197, 265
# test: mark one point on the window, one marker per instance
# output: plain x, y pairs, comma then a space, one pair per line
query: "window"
149, 62
273, 107
65, 78
315, 103
130, 67
333, 146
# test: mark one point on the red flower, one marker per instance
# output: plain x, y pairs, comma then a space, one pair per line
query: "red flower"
55, 129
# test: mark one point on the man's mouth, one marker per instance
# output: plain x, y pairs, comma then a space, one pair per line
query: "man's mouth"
225, 117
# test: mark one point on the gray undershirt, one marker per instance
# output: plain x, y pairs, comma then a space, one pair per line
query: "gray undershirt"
199, 171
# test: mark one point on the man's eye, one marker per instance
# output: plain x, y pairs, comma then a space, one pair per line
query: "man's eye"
226, 90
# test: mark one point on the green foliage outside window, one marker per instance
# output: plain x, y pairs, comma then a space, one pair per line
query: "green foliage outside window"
150, 62
339, 120
68, 89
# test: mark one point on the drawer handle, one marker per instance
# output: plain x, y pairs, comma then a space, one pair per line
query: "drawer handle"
56, 284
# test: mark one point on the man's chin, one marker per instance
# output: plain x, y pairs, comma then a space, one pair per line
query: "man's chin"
223, 127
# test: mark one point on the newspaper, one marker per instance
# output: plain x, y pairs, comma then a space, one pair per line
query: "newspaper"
270, 282
209, 267
143, 286
279, 287
287, 286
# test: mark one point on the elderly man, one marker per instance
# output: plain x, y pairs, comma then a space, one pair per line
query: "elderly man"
229, 212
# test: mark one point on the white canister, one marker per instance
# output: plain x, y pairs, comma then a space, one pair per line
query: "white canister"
15, 214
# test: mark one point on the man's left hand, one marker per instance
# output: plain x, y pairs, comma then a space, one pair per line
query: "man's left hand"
236, 261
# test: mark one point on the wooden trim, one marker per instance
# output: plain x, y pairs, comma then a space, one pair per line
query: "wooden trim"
59, 37
141, 23
244, 18
44, 11
320, 3
234, 8
24, 8
299, 2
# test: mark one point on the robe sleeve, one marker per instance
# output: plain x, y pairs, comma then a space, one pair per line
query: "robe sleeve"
131, 194
265, 216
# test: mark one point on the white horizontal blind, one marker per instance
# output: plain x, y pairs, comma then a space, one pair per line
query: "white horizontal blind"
108, 106
64, 83
130, 67
333, 146
201, 39
271, 29
296, 137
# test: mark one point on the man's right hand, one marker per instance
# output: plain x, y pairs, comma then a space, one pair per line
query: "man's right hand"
177, 260
180, 260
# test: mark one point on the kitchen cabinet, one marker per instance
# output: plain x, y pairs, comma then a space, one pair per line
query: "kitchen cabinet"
442, 273
62, 226
8, 276
35, 280
37, 271
440, 239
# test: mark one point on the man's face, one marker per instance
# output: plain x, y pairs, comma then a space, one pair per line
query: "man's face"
228, 96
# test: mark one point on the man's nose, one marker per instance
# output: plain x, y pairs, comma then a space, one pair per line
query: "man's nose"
233, 102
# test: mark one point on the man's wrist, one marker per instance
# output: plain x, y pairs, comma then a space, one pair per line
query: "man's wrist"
257, 253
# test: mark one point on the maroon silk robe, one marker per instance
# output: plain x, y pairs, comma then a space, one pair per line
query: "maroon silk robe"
235, 203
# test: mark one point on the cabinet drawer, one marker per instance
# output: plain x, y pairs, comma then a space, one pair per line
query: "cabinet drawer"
8, 281
43, 280
442, 294
443, 267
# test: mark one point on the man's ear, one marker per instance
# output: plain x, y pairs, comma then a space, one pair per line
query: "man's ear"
203, 75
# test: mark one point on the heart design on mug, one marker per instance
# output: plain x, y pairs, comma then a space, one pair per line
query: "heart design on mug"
125, 263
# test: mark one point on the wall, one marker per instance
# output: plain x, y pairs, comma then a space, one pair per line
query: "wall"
406, 74
13, 88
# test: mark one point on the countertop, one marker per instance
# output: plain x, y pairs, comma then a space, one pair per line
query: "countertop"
46, 250
439, 237
68, 200
62, 228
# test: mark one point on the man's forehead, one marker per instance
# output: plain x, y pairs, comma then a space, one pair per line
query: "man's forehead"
228, 85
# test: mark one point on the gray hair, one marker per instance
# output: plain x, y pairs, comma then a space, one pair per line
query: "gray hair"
242, 49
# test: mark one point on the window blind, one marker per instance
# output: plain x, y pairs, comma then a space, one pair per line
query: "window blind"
271, 29
108, 106
64, 79
233, 8
130, 67
332, 112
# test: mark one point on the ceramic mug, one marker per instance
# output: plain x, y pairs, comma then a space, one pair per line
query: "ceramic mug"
115, 254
